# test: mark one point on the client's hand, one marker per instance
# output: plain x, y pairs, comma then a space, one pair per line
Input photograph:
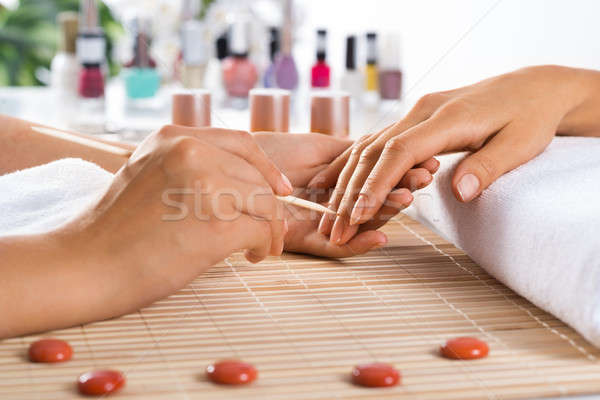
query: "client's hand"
300, 157
506, 121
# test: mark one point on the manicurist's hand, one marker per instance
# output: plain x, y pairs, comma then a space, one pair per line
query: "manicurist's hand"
186, 199
506, 121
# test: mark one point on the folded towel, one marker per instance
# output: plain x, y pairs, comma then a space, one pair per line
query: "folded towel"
42, 198
536, 229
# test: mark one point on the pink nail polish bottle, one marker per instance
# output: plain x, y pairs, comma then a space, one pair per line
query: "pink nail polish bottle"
239, 73
320, 71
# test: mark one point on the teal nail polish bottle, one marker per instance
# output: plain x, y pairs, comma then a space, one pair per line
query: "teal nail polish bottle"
140, 76
141, 83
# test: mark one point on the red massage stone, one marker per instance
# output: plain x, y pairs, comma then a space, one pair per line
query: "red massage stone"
101, 382
375, 375
465, 348
231, 372
50, 351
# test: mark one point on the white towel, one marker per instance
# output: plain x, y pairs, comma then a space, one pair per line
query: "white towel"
536, 229
39, 199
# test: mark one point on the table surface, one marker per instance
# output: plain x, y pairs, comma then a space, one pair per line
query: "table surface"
131, 121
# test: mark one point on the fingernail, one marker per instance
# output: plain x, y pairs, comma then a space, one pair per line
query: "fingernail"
358, 209
287, 185
321, 227
468, 187
336, 232
380, 243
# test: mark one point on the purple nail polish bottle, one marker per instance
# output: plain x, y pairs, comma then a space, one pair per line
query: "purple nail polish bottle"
286, 73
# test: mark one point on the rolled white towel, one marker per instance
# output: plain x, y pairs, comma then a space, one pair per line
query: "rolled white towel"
39, 199
536, 229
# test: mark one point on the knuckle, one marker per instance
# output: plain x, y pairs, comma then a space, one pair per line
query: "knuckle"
242, 137
371, 151
166, 131
428, 101
397, 148
457, 107
187, 152
246, 143
356, 150
360, 145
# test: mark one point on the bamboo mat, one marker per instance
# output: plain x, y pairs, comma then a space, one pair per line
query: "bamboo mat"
304, 322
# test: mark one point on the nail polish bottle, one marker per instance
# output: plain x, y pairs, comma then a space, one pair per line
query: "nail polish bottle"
320, 71
286, 73
352, 81
141, 78
330, 112
191, 108
239, 73
372, 83
269, 110
64, 68
194, 53
390, 74
269, 76
90, 47
214, 75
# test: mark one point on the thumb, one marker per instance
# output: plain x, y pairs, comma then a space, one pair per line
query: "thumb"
504, 152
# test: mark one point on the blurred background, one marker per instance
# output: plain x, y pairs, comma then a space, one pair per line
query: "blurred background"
54, 54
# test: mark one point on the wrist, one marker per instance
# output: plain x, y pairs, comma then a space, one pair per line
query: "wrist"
581, 117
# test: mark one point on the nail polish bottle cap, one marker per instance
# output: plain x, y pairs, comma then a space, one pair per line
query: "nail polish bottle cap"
90, 44
191, 108
390, 52
68, 24
351, 53
273, 42
269, 110
189, 9
321, 44
140, 27
222, 46
238, 44
371, 48
88, 15
193, 42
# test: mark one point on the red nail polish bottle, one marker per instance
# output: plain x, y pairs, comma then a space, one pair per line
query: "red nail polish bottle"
90, 48
90, 52
320, 71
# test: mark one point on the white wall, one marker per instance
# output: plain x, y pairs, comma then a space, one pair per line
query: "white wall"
445, 36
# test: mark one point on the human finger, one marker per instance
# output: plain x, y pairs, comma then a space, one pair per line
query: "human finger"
243, 145
504, 152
